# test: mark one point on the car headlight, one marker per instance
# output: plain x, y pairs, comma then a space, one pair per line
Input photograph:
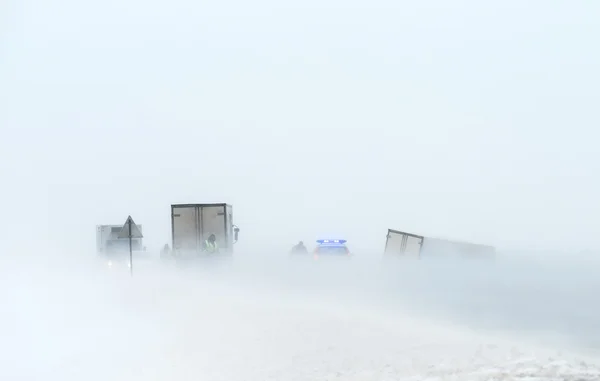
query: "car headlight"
109, 263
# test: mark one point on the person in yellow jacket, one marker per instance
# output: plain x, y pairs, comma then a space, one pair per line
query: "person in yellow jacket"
210, 244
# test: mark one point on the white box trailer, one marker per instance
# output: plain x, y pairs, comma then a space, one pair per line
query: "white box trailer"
192, 224
107, 241
408, 245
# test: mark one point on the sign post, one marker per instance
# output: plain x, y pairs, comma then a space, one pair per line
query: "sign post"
130, 230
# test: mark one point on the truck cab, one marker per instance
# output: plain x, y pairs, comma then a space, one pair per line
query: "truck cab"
108, 242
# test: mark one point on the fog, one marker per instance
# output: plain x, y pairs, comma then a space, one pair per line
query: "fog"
466, 120
262, 316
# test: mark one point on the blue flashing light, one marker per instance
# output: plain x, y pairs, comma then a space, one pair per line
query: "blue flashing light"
332, 241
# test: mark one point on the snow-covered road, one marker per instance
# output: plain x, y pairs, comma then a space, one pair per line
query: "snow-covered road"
171, 324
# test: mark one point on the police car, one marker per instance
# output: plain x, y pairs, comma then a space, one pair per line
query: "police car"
331, 248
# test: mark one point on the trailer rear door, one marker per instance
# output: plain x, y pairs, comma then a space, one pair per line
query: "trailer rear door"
402, 244
185, 228
213, 222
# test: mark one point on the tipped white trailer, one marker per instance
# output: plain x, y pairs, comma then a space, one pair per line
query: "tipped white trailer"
192, 224
407, 245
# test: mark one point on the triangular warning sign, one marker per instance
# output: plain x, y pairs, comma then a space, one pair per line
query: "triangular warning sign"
135, 231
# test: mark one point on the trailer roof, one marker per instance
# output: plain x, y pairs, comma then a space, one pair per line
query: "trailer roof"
188, 205
405, 233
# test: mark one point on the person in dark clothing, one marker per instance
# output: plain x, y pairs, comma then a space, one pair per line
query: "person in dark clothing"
165, 252
299, 248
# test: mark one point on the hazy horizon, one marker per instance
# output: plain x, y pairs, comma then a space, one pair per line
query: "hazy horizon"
462, 120
466, 120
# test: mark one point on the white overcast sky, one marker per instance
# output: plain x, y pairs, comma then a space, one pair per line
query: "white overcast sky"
473, 120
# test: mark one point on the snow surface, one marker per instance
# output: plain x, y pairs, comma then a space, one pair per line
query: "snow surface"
62, 322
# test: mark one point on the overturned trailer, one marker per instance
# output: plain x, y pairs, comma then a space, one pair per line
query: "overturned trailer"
193, 224
408, 245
